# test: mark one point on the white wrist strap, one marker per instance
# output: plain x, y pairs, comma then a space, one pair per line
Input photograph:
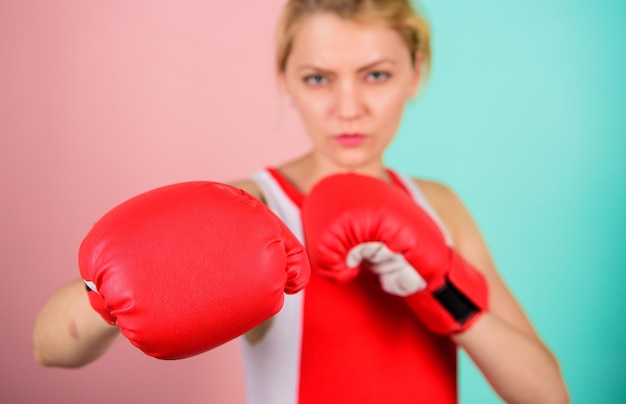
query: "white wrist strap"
397, 276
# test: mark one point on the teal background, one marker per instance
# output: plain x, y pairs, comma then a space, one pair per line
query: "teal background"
523, 115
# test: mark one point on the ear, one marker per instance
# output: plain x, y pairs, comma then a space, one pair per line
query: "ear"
417, 75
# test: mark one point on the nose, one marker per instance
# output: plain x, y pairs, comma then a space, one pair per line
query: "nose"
349, 104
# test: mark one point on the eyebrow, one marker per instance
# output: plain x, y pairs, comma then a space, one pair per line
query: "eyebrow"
366, 67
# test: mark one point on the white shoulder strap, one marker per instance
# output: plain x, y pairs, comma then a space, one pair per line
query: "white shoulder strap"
279, 202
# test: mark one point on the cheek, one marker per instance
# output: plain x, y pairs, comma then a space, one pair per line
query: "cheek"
389, 106
311, 108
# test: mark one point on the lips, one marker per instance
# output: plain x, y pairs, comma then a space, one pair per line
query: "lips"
350, 139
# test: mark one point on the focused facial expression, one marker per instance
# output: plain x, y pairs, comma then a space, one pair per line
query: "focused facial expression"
349, 82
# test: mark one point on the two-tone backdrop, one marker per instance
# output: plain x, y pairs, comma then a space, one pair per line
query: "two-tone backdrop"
523, 116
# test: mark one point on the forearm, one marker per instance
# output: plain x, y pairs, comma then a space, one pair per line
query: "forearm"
518, 366
68, 332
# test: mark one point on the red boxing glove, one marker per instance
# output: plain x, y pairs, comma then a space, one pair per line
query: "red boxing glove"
184, 268
350, 219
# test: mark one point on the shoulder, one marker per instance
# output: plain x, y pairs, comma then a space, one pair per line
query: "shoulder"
447, 204
465, 233
250, 186
466, 236
440, 195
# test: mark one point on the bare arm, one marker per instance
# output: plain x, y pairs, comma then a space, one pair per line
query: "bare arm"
502, 343
68, 332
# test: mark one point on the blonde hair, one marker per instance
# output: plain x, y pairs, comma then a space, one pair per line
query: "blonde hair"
399, 15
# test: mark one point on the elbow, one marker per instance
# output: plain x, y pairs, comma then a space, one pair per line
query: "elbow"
560, 394
553, 396
42, 357
39, 351
46, 355
548, 386
51, 362
43, 360
555, 392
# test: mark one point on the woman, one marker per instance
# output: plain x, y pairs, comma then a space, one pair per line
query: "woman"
348, 68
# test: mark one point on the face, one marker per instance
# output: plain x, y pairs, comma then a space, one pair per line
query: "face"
349, 82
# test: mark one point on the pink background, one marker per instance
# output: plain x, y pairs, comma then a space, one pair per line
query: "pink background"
100, 101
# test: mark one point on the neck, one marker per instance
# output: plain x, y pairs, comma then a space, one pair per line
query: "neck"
307, 170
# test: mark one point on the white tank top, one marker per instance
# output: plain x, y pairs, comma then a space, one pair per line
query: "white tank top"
272, 365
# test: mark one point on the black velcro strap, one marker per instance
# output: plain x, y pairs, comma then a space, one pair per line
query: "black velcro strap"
455, 302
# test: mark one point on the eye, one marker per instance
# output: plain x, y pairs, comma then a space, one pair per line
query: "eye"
315, 80
377, 76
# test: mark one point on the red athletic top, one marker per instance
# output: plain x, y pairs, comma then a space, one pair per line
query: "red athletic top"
362, 345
